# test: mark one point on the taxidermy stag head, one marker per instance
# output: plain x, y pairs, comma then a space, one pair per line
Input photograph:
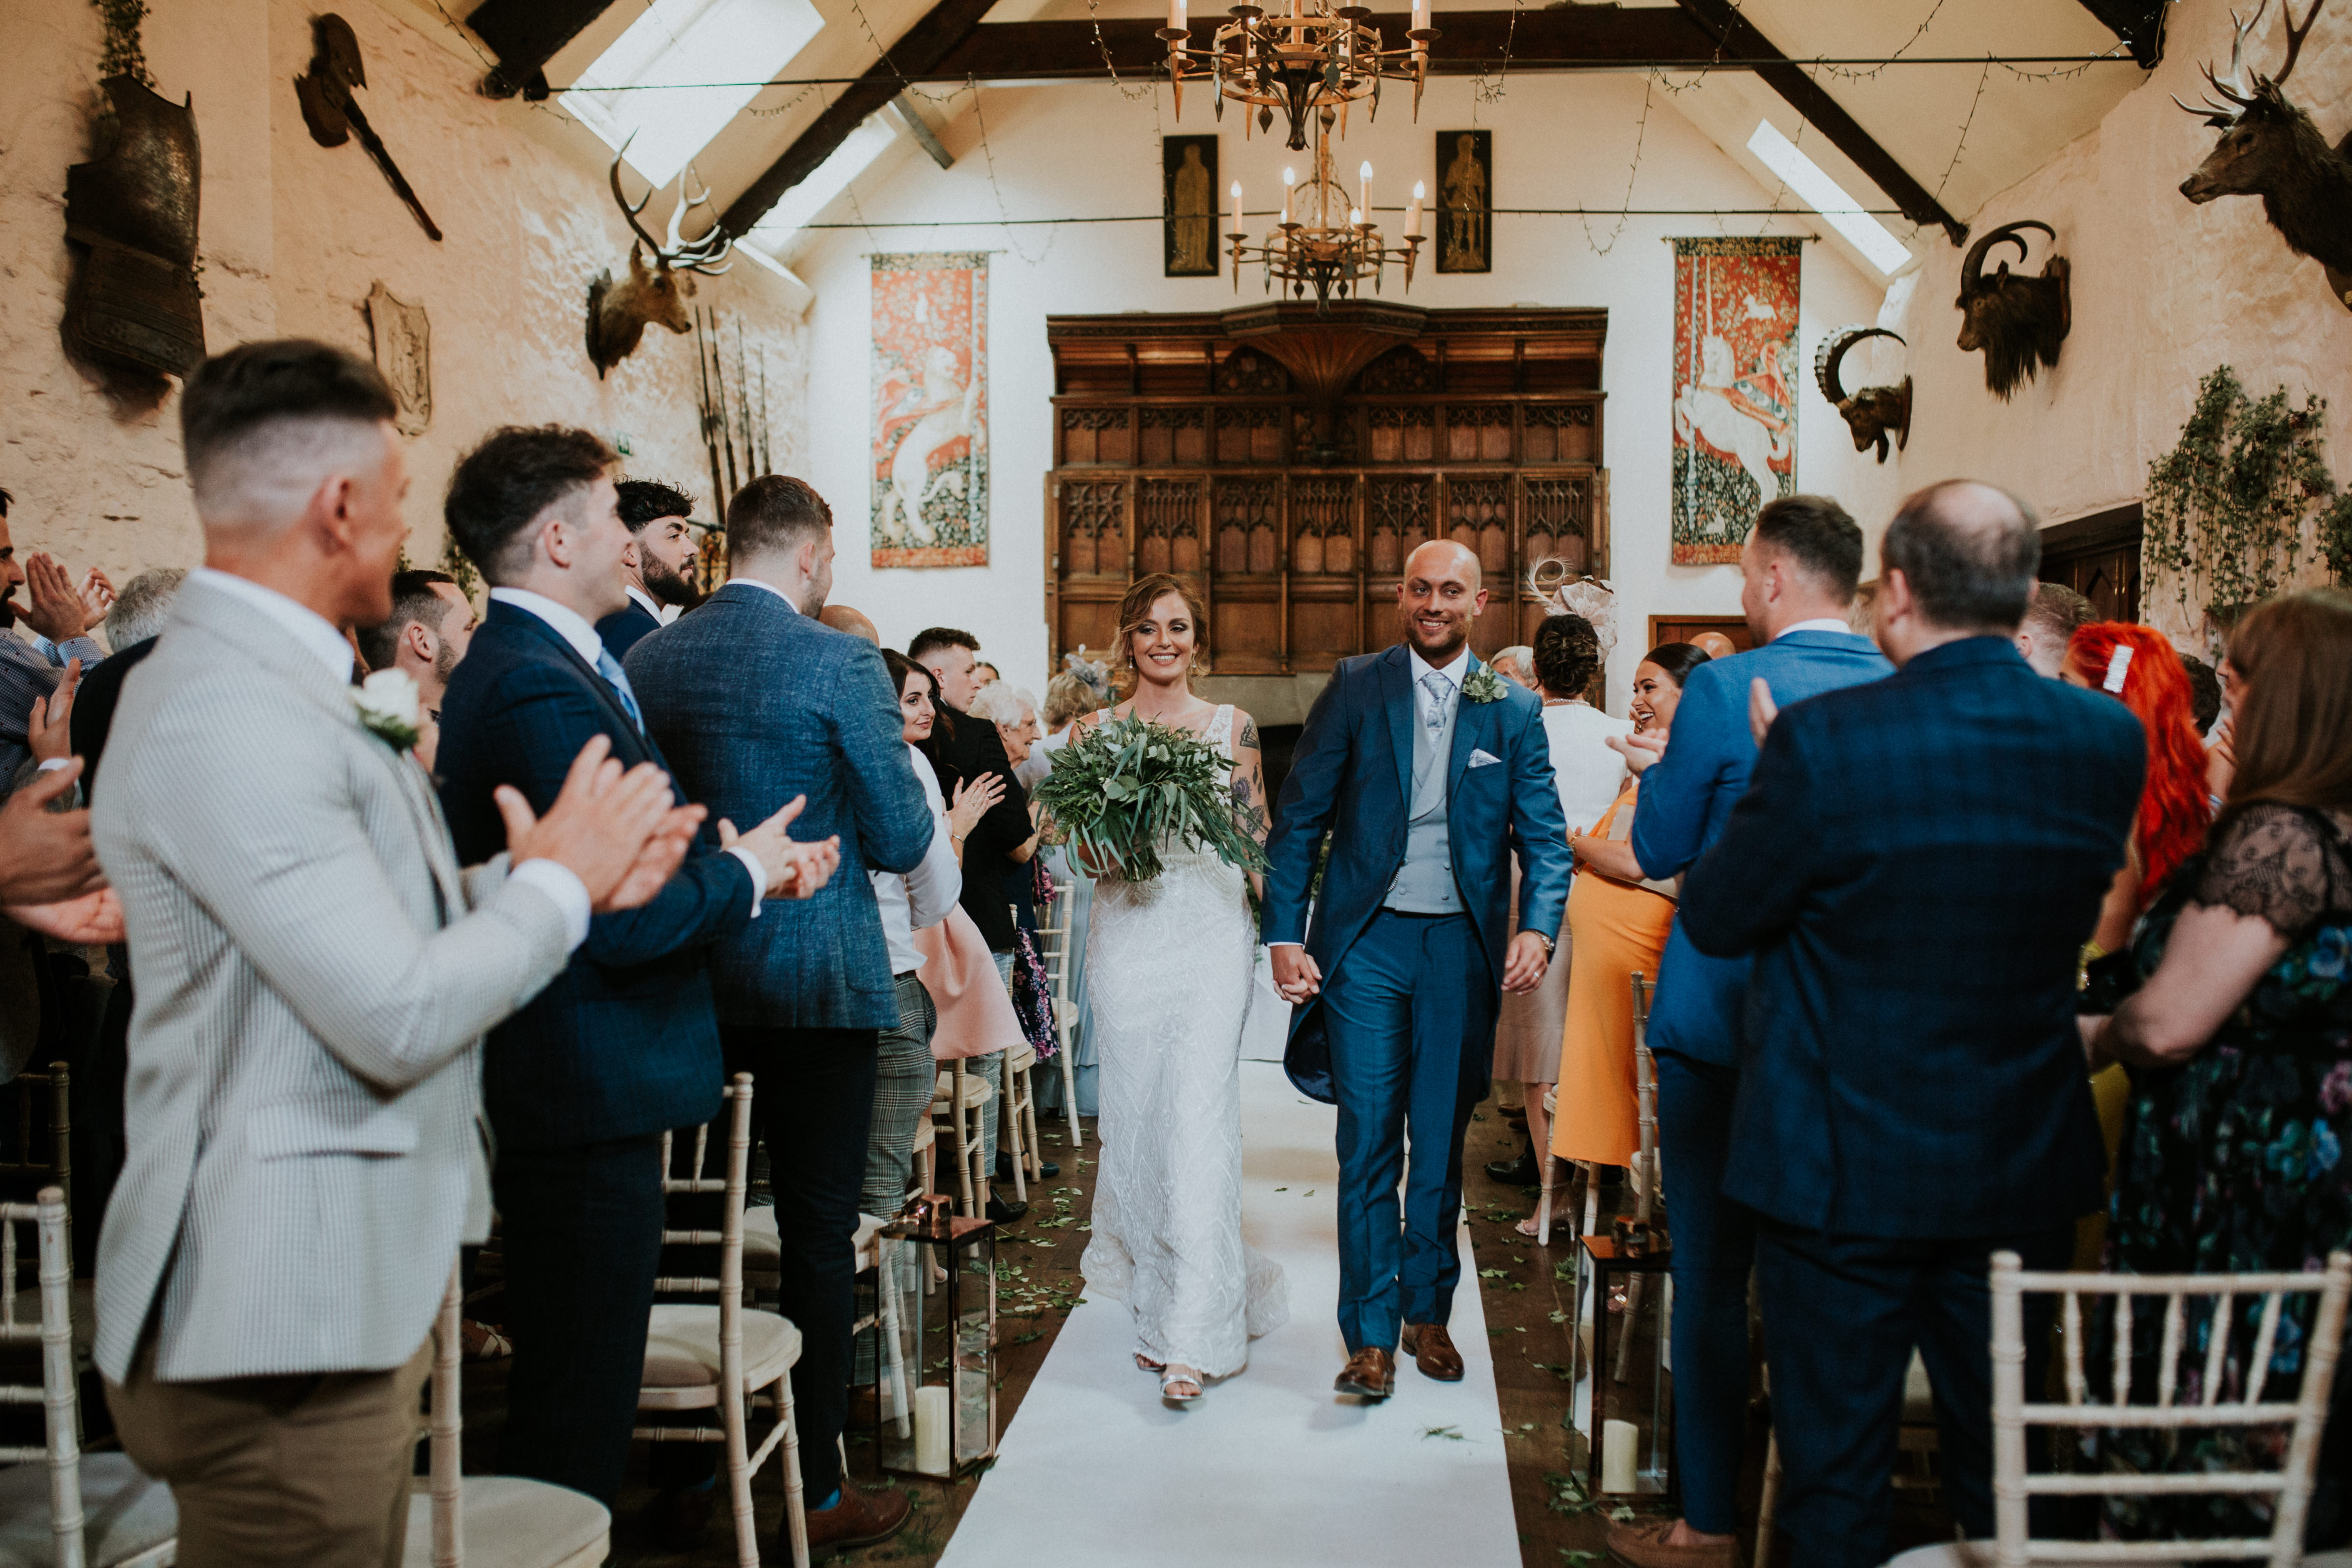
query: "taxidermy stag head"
2271, 148
1874, 413
2019, 322
618, 314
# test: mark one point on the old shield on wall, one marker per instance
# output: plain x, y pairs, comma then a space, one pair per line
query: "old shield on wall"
930, 452
1736, 380
131, 211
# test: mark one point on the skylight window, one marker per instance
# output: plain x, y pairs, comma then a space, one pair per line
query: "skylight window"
827, 180
1813, 186
681, 42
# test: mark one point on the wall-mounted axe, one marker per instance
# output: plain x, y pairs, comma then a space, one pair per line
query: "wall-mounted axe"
333, 115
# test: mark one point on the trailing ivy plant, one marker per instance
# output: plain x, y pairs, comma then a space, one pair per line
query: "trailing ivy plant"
124, 55
2227, 505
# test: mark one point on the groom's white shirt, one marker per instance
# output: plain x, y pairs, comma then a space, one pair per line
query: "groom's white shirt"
1454, 671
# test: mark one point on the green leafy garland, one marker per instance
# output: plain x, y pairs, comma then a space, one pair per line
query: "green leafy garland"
1127, 790
2228, 504
124, 55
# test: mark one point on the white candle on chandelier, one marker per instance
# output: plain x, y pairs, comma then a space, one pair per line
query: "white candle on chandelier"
1176, 15
1237, 208
1412, 212
1289, 180
1419, 15
1355, 217
1364, 185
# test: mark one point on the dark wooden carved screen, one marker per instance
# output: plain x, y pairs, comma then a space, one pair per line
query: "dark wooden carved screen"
1288, 463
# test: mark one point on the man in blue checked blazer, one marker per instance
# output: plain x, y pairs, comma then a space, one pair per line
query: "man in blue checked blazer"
622, 1047
756, 701
1798, 576
1428, 771
1914, 871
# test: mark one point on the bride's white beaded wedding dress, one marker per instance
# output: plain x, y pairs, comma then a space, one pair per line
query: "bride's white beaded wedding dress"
1169, 972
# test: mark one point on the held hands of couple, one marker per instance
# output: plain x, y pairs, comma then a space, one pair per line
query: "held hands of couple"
1296, 975
795, 869
616, 831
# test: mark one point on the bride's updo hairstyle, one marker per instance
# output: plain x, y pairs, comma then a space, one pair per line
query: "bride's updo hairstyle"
1136, 608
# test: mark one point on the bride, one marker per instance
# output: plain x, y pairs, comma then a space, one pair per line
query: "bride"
1171, 967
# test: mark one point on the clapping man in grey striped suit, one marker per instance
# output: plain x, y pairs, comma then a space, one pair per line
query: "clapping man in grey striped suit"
316, 972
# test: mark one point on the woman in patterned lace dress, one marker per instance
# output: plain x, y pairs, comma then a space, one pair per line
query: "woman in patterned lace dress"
2240, 1045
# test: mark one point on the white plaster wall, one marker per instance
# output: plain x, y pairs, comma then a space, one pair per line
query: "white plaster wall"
2163, 291
1087, 151
294, 235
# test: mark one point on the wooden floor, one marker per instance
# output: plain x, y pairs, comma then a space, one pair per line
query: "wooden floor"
1528, 1308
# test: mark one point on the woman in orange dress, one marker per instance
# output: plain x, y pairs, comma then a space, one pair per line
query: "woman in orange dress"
1618, 922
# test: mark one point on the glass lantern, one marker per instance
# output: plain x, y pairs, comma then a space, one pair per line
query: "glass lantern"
1629, 1388
935, 1379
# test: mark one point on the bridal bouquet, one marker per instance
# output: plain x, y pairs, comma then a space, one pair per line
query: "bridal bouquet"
1127, 788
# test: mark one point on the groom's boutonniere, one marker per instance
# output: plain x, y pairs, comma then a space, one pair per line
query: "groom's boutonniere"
391, 707
1483, 685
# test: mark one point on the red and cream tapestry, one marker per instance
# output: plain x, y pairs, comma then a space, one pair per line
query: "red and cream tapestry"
1736, 378
930, 409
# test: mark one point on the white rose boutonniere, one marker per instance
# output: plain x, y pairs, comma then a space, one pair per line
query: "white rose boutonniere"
391, 707
1483, 685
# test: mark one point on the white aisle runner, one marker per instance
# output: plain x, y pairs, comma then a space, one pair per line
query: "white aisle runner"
1272, 1467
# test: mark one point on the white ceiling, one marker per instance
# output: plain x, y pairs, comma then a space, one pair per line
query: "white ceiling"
2017, 119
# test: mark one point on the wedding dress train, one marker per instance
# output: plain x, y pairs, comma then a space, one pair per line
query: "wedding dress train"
1170, 966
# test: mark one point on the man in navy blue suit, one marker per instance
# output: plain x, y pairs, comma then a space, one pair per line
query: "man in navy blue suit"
1913, 871
1428, 771
1798, 574
756, 701
581, 1083
654, 568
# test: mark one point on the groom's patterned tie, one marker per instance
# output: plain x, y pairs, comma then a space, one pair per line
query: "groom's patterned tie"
1439, 689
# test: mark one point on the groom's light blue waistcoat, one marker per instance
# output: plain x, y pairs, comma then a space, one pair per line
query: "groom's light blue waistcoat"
1424, 883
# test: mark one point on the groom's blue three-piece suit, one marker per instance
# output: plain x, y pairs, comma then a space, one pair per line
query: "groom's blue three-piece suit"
1425, 793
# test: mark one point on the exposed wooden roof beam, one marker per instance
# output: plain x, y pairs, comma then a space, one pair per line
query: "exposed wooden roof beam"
914, 58
2140, 23
1738, 39
525, 34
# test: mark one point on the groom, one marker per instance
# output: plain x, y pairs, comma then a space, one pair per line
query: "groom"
1426, 769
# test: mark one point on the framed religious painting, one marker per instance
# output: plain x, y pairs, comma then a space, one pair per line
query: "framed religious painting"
1188, 203
1466, 201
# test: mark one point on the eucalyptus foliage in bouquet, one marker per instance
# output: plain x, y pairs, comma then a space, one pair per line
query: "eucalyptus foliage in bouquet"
1127, 788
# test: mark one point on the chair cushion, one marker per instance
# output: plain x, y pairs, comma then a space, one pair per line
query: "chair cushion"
124, 1513
512, 1523
682, 1348
1979, 1554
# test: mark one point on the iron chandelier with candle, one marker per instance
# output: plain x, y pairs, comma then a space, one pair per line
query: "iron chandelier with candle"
1323, 242
1313, 58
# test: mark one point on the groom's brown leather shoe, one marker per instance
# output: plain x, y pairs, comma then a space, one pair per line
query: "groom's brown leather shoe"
1370, 1371
1432, 1348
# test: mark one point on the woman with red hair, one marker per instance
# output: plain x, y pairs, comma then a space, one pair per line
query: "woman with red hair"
2138, 666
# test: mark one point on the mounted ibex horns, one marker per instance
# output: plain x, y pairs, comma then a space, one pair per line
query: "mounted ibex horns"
2019, 322
1874, 412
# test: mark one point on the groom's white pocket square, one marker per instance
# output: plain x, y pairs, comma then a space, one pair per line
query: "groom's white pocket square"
1482, 758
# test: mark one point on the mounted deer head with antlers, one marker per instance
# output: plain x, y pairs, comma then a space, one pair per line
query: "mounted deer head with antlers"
618, 314
1874, 413
2019, 322
2269, 148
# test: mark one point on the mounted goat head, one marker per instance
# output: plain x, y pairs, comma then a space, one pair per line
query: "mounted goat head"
1874, 413
618, 314
2271, 148
2019, 322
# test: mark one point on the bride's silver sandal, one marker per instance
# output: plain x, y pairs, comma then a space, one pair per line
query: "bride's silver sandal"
1173, 1378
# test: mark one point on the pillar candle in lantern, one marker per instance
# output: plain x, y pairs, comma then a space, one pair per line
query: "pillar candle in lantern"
1621, 1454
931, 1429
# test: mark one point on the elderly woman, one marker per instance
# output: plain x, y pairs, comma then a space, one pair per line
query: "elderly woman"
2240, 1045
1014, 714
